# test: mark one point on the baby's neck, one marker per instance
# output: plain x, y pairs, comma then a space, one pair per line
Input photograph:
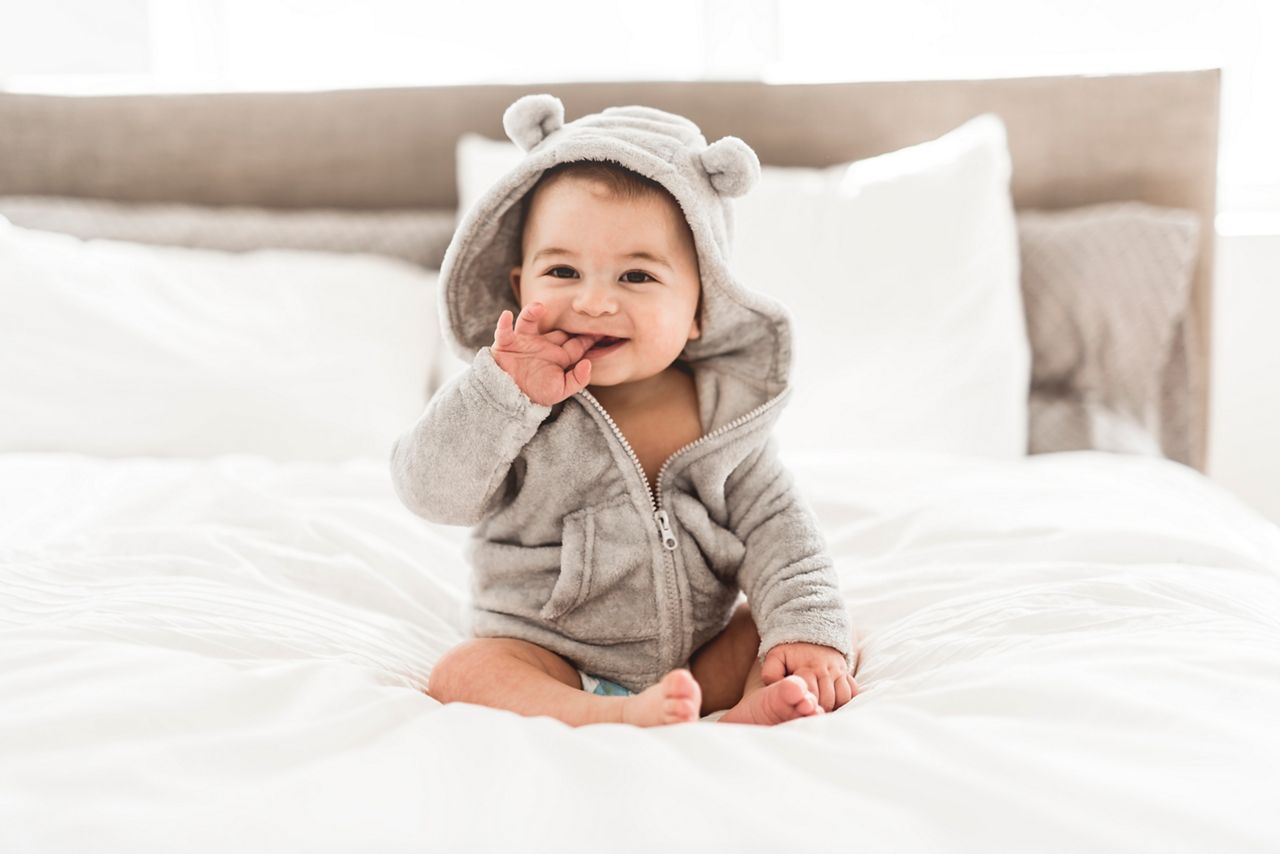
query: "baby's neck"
639, 394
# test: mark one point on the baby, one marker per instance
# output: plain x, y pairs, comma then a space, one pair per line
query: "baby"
609, 442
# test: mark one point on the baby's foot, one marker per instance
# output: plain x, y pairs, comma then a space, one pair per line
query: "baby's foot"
784, 700
674, 700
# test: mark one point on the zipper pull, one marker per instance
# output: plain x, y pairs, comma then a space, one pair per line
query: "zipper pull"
668, 538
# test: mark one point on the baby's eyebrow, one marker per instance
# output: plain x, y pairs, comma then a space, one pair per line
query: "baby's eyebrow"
646, 256
550, 250
640, 255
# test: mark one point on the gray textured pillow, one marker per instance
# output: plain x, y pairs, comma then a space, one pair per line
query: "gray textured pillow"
418, 236
1105, 292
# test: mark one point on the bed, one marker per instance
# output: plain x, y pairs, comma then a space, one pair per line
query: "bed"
221, 639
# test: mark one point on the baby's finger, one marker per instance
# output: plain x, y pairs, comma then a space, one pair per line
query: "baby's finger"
578, 345
826, 693
772, 669
502, 334
843, 691
557, 336
527, 322
577, 377
853, 686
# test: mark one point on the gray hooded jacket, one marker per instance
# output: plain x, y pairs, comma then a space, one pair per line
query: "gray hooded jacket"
569, 550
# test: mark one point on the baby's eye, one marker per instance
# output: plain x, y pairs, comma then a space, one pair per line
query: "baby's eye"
556, 271
646, 278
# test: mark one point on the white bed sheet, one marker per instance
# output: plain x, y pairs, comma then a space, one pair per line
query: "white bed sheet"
1071, 652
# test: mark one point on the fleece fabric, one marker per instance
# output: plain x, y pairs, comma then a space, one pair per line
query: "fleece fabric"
569, 549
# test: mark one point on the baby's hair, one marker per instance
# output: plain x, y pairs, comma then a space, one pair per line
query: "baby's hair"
622, 182
618, 179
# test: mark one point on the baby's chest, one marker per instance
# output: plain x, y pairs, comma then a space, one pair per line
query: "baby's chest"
656, 435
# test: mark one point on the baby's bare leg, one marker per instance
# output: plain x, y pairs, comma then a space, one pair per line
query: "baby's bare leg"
507, 673
722, 665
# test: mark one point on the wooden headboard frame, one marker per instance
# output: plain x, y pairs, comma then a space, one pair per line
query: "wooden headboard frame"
1074, 140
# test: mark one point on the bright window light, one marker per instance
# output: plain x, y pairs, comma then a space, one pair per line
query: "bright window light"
92, 46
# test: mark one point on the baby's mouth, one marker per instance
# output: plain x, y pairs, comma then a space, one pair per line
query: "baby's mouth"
606, 341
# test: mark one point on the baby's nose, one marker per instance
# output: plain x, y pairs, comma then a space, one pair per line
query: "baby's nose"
595, 300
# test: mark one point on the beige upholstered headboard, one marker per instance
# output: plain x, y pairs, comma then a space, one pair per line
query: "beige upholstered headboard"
1074, 140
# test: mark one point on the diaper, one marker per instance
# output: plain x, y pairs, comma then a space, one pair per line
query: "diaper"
603, 687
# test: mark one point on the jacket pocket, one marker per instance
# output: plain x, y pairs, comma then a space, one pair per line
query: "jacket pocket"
577, 542
605, 592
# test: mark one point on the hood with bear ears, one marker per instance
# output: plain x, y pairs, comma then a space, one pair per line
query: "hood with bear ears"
746, 336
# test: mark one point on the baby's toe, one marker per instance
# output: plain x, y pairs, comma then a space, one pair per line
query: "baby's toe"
676, 711
796, 694
794, 689
680, 683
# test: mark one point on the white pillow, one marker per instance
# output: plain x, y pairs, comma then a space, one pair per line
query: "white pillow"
901, 272
120, 349
419, 235
480, 163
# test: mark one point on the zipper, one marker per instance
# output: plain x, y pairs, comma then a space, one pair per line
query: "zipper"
668, 536
660, 515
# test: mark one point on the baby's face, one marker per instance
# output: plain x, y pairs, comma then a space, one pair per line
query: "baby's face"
626, 268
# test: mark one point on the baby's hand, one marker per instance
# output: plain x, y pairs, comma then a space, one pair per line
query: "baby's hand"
822, 668
548, 367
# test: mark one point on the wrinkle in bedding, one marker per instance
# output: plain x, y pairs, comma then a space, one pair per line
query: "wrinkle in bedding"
1068, 652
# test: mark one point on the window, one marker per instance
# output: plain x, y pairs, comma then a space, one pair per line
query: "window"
210, 45
995, 38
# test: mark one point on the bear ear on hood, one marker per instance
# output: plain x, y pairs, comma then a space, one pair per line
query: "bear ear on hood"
731, 165
532, 118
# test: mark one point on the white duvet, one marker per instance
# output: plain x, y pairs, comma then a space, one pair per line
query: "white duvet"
1071, 652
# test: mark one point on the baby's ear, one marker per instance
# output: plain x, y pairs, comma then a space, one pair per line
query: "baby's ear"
731, 165
532, 118
515, 282
695, 328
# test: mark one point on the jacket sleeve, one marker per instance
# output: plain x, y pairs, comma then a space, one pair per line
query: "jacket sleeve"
788, 576
450, 466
